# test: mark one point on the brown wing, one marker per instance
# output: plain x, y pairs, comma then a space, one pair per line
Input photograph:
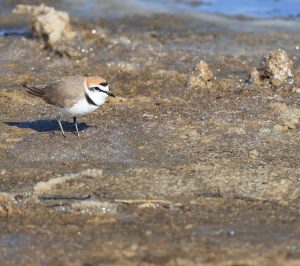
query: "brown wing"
34, 90
62, 93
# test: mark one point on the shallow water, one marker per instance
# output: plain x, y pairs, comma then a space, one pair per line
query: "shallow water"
253, 8
93, 9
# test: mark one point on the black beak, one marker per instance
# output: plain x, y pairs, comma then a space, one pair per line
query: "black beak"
110, 94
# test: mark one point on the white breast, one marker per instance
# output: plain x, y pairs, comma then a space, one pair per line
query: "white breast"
82, 107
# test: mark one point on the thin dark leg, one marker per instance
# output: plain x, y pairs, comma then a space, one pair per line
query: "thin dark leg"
76, 126
61, 128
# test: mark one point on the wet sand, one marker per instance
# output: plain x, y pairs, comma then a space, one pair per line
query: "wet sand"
181, 176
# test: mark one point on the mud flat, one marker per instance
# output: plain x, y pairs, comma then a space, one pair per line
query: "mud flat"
166, 173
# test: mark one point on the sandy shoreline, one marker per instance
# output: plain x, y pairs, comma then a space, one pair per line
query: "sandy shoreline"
182, 176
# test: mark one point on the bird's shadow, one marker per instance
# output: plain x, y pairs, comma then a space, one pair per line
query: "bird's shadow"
48, 125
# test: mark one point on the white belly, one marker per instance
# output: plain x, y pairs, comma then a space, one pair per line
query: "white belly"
80, 108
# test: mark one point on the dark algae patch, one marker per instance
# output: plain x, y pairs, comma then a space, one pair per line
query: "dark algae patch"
195, 162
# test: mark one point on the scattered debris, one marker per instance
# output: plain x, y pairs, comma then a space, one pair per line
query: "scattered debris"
204, 71
201, 77
50, 25
276, 69
7, 205
254, 154
142, 201
296, 90
94, 206
290, 116
255, 76
149, 205
47, 186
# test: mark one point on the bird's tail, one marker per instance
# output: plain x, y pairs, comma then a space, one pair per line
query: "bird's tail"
34, 90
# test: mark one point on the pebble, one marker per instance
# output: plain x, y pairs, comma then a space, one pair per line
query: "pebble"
231, 232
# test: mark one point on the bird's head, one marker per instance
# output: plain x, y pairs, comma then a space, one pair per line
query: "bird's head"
98, 85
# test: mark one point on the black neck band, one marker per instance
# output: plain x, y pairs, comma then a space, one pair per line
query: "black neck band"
89, 100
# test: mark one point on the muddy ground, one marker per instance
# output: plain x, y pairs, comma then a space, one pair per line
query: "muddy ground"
164, 174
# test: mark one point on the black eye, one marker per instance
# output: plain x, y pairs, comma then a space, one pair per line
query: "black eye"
95, 88
103, 84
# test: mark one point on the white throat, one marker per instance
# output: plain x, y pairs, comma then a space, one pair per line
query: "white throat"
96, 96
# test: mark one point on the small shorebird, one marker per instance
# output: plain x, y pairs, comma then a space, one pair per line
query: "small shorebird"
73, 96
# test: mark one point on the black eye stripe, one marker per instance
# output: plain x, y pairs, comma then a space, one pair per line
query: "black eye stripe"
104, 84
97, 89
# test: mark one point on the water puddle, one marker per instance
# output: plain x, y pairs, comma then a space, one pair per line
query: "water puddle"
14, 32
